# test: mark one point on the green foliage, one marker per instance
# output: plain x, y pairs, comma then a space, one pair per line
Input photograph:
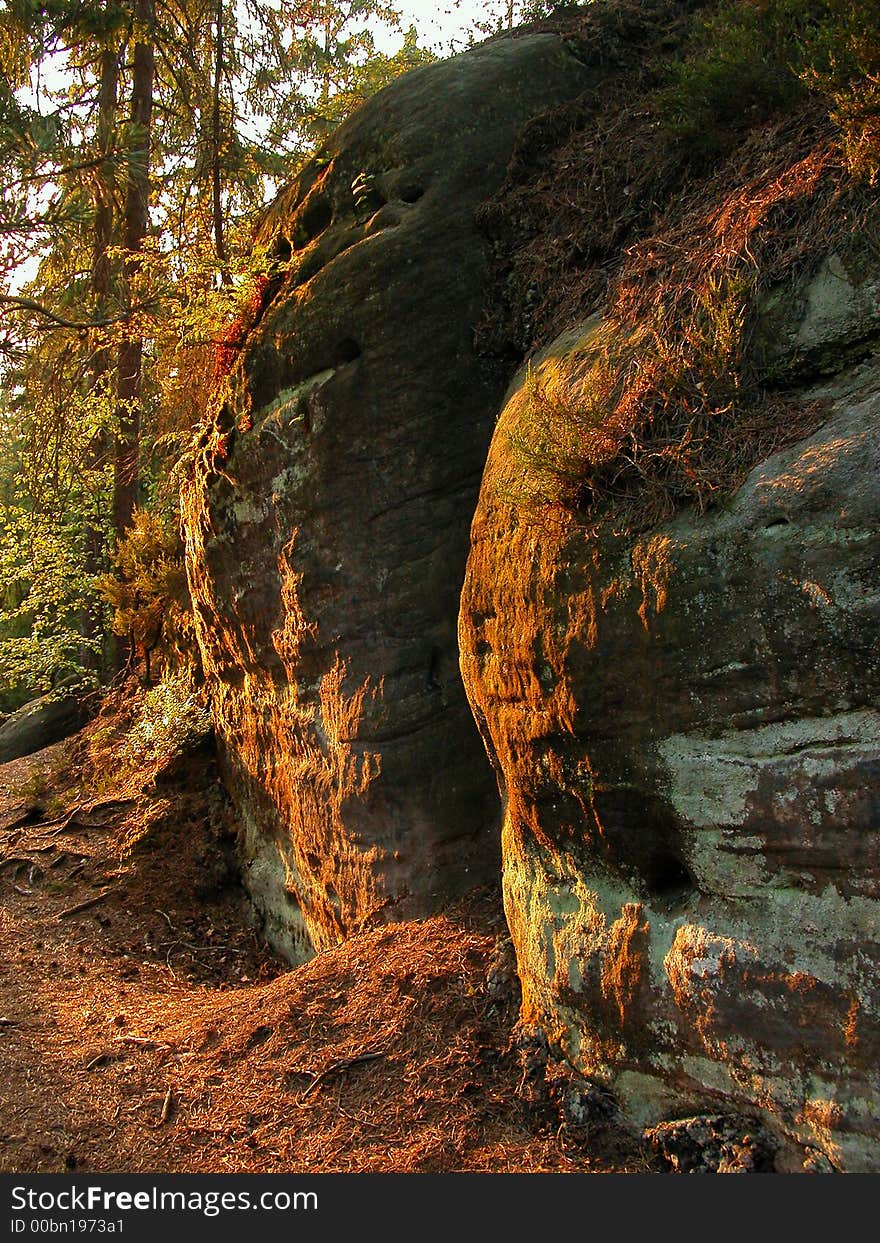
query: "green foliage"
43, 597
55, 487
172, 719
328, 64
843, 62
148, 594
750, 58
241, 94
488, 17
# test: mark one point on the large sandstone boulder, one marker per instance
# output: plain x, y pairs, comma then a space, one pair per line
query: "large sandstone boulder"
49, 719
686, 732
327, 525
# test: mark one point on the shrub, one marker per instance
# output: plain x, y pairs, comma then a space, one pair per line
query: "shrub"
738, 186
750, 58
172, 719
149, 594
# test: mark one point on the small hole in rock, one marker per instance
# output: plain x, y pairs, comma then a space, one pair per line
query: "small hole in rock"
411, 193
282, 250
666, 876
347, 351
316, 217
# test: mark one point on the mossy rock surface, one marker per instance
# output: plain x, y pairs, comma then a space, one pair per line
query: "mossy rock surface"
684, 723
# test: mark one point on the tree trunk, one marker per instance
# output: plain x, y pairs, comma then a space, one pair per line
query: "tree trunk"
101, 366
135, 223
216, 140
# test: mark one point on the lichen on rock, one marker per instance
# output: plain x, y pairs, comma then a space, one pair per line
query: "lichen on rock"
684, 725
328, 516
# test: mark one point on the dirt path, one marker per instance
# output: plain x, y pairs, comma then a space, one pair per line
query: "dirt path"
151, 1031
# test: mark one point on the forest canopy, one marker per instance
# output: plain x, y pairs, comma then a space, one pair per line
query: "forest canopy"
139, 140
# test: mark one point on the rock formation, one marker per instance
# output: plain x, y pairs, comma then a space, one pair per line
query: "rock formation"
685, 728
327, 523
51, 718
682, 714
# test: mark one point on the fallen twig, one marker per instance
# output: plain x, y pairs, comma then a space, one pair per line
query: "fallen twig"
167, 1107
101, 1060
339, 1067
201, 949
144, 1041
84, 906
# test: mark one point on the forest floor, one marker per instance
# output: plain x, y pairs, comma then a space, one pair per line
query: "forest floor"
144, 1027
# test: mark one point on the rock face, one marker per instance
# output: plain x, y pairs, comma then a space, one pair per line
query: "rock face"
686, 732
327, 523
46, 720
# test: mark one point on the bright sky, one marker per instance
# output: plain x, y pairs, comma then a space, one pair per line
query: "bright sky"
442, 26
441, 23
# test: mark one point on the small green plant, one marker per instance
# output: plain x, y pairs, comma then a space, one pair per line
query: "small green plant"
33, 789
172, 719
38, 790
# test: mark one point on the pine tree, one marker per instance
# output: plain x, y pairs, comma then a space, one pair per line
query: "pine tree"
156, 133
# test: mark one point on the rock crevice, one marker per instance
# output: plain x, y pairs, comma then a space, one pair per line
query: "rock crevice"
327, 524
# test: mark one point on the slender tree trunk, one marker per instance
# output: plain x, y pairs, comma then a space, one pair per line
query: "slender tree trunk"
101, 367
216, 140
325, 85
103, 235
135, 222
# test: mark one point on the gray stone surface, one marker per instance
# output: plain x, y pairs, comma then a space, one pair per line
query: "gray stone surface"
43, 721
686, 732
327, 525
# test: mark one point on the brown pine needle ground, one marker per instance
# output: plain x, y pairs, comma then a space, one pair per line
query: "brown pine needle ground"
152, 1032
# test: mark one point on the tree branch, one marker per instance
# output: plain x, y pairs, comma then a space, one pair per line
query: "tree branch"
36, 308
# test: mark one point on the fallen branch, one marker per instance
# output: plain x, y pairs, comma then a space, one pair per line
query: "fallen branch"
84, 906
